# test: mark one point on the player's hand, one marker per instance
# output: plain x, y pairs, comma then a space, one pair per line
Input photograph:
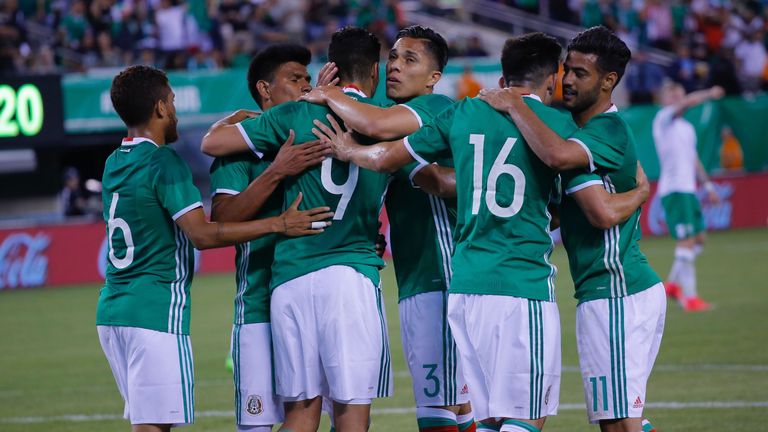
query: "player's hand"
327, 75
341, 141
305, 222
381, 243
716, 92
320, 94
642, 182
239, 116
294, 159
503, 100
712, 195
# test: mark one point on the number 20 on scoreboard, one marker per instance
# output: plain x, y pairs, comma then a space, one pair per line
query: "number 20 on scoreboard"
31, 111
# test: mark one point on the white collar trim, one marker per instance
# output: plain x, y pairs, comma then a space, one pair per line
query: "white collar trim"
354, 90
137, 140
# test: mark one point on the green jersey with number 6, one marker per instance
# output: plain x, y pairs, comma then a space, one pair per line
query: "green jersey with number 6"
150, 261
502, 233
230, 176
355, 196
421, 225
604, 263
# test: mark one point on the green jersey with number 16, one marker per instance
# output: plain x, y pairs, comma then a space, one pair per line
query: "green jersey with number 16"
150, 261
355, 196
502, 234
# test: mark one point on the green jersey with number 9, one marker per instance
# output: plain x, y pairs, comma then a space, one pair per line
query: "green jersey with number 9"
355, 195
502, 233
150, 261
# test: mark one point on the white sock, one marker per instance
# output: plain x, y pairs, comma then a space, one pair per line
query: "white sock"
517, 426
423, 412
465, 418
697, 248
687, 271
674, 273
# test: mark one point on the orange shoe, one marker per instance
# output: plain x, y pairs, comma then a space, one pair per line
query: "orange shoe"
695, 304
673, 290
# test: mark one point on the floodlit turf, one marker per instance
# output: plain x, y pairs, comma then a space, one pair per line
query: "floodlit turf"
54, 377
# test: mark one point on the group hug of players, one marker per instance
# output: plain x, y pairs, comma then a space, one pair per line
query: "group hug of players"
472, 189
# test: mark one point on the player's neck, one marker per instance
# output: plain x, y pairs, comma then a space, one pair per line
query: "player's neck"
427, 91
602, 105
146, 131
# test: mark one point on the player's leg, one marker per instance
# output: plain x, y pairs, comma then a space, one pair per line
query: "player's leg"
299, 379
151, 428
353, 343
257, 407
438, 384
618, 340
498, 329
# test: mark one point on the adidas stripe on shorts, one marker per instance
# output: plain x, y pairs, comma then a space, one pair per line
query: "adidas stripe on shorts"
330, 337
618, 340
154, 373
510, 353
430, 351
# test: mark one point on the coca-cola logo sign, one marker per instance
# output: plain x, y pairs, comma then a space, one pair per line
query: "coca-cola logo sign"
23, 262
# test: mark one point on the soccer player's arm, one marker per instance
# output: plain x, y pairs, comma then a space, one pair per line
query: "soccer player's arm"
173, 185
372, 121
697, 98
433, 179
603, 209
224, 137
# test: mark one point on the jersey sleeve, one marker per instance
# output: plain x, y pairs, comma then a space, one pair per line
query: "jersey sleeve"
605, 139
229, 175
576, 180
264, 134
430, 142
426, 107
173, 183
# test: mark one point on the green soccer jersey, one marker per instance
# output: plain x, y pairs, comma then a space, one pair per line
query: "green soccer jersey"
355, 195
502, 233
421, 225
232, 175
604, 263
150, 261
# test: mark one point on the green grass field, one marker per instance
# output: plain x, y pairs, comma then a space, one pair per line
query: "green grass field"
711, 375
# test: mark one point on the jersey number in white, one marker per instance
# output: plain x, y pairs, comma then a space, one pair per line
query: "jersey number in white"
114, 224
345, 189
498, 168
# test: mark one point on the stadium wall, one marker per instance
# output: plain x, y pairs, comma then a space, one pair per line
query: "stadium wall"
65, 254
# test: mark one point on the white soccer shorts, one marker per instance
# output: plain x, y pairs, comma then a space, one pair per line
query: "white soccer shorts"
329, 335
256, 403
510, 353
154, 373
618, 340
430, 351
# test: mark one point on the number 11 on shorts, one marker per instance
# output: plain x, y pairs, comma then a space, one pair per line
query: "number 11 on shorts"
604, 385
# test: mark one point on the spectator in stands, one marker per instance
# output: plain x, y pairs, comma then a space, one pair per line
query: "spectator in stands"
173, 33
683, 69
722, 72
467, 85
73, 199
475, 47
751, 61
658, 21
643, 78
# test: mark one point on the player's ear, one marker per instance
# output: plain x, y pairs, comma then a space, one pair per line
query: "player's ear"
161, 109
263, 88
434, 78
609, 81
502, 82
375, 75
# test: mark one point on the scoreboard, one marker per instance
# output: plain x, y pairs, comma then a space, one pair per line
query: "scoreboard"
31, 113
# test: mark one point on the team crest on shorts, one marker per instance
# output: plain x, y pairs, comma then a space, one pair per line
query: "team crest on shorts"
254, 405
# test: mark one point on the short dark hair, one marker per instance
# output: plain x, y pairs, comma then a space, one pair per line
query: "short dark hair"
531, 57
267, 61
354, 50
436, 45
612, 53
135, 91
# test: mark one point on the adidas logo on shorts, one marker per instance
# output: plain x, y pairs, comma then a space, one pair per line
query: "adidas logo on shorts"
638, 403
464, 390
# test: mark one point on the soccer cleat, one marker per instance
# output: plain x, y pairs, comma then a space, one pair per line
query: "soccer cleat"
673, 290
695, 304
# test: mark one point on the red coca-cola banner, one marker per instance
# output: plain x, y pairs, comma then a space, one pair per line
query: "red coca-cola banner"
65, 254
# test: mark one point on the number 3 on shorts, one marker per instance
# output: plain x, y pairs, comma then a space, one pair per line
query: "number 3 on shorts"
431, 377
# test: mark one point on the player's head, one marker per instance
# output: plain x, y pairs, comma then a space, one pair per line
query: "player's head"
671, 92
142, 97
356, 54
530, 60
278, 74
594, 66
416, 62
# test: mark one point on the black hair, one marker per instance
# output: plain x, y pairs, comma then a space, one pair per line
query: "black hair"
267, 61
531, 57
135, 91
436, 45
612, 53
354, 50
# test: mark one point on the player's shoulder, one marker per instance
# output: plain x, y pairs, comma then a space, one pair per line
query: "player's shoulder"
238, 159
609, 124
